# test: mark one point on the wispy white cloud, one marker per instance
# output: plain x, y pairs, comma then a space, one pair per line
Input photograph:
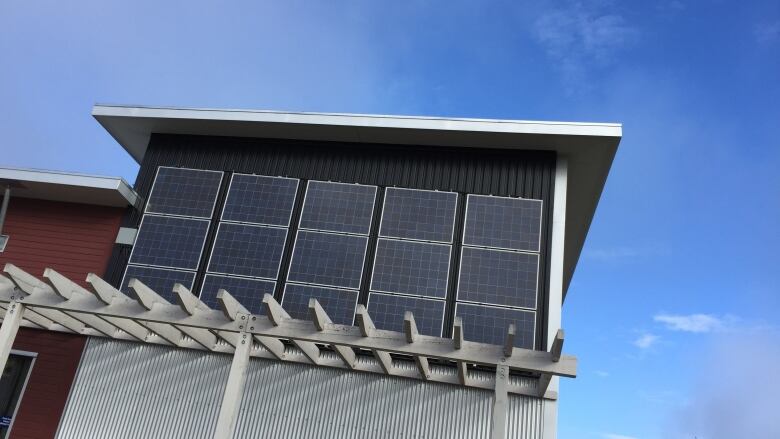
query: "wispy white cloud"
602, 373
616, 436
646, 341
698, 323
767, 32
611, 254
580, 36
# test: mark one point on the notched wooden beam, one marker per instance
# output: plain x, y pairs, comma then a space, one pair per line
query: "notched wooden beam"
509, 341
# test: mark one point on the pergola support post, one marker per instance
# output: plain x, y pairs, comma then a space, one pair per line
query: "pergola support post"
8, 330
234, 389
500, 402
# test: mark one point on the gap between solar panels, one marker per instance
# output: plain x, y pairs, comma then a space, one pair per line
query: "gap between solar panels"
57, 303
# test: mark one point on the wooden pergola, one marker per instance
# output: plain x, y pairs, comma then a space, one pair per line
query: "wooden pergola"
57, 303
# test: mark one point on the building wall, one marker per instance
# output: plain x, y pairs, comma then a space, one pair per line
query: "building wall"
50, 381
130, 390
74, 239
528, 174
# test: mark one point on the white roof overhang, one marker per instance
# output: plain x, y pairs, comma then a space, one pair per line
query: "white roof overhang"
589, 147
69, 187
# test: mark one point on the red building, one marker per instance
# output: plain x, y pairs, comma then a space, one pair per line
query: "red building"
71, 223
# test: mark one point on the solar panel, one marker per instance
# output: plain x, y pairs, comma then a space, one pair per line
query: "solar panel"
387, 312
248, 250
169, 242
498, 276
409, 267
500, 222
249, 292
328, 259
487, 324
187, 192
161, 280
338, 207
338, 304
418, 214
260, 200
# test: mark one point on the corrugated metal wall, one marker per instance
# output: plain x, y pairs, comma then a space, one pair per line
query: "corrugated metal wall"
513, 173
135, 390
130, 390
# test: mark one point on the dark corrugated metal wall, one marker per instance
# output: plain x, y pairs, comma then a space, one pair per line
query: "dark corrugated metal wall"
528, 174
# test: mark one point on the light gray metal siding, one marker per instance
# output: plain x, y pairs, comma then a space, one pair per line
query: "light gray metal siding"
128, 390
132, 390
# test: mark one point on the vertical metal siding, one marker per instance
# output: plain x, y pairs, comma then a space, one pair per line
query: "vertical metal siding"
513, 173
130, 390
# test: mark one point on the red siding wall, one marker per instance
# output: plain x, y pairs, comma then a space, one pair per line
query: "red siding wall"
47, 389
74, 239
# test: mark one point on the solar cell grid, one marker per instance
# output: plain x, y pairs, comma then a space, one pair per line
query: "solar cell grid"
499, 277
186, 192
338, 207
260, 200
418, 214
410, 267
501, 222
249, 292
169, 242
248, 250
159, 279
486, 324
387, 312
338, 304
328, 259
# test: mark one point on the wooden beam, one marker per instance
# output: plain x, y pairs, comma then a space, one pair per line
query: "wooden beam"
557, 346
318, 315
188, 302
321, 320
277, 315
509, 341
148, 298
463, 373
8, 330
457, 343
500, 403
543, 384
410, 327
385, 361
457, 333
364, 321
66, 289
234, 389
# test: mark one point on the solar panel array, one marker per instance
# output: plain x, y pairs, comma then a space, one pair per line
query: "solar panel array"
185, 192
257, 199
250, 239
502, 222
338, 207
173, 230
499, 268
498, 272
412, 258
330, 248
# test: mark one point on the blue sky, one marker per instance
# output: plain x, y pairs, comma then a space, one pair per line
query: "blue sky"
673, 309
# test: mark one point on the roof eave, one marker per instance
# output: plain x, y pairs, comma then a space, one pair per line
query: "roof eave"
589, 147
